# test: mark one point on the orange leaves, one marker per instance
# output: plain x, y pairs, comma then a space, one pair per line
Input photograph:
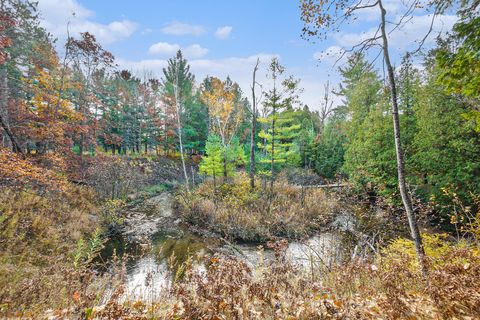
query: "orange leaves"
76, 296
5, 42
18, 172
48, 118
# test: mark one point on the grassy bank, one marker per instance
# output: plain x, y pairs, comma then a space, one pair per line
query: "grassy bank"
46, 241
233, 210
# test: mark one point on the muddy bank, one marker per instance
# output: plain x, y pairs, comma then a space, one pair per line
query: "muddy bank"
151, 216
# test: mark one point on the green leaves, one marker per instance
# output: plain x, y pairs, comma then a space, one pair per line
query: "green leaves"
211, 164
459, 63
219, 158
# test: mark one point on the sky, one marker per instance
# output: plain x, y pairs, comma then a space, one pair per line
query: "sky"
224, 38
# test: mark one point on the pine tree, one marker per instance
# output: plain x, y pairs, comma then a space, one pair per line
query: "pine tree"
235, 156
212, 162
282, 138
279, 129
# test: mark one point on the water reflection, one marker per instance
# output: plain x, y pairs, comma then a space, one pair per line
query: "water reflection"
151, 269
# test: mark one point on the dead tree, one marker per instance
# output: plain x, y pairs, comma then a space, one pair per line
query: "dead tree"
255, 101
326, 107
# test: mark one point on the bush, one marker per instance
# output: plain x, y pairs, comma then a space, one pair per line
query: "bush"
116, 177
392, 284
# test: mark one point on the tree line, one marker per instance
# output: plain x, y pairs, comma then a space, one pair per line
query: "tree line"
78, 104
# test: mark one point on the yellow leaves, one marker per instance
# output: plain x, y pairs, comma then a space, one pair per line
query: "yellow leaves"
338, 303
223, 107
46, 114
138, 305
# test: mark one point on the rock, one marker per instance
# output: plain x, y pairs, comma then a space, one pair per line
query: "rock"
132, 196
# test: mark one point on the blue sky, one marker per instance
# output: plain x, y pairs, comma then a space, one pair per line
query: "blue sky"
223, 38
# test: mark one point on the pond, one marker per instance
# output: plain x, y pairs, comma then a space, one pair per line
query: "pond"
151, 266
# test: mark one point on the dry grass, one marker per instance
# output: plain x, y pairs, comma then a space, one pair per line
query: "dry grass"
389, 287
39, 236
236, 212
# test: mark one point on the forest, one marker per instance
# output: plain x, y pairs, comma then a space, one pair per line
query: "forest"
135, 195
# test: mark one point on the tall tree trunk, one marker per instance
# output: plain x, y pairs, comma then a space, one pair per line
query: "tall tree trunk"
274, 112
225, 164
415, 232
3, 110
254, 128
179, 124
272, 164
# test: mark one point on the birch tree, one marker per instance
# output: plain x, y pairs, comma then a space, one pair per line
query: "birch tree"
255, 101
323, 17
178, 83
225, 111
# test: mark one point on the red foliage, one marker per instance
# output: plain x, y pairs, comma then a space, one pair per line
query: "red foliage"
5, 41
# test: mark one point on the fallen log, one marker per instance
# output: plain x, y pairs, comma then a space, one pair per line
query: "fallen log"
326, 186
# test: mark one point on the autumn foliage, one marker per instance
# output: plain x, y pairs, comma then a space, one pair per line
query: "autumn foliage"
19, 173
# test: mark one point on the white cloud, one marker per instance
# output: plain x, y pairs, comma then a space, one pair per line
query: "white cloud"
240, 70
223, 32
314, 90
163, 48
413, 31
393, 7
195, 51
154, 66
56, 14
404, 38
181, 29
146, 31
169, 49
348, 39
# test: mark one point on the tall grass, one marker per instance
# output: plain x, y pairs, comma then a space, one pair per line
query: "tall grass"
233, 210
45, 239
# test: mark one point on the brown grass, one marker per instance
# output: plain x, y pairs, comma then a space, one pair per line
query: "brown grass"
38, 237
389, 287
236, 212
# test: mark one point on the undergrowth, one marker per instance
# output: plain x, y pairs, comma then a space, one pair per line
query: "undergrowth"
47, 240
235, 211
388, 287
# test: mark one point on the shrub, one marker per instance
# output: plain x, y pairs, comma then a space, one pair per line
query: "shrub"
392, 284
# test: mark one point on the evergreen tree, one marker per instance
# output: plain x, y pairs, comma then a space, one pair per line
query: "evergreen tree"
235, 156
329, 150
212, 162
279, 129
447, 154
